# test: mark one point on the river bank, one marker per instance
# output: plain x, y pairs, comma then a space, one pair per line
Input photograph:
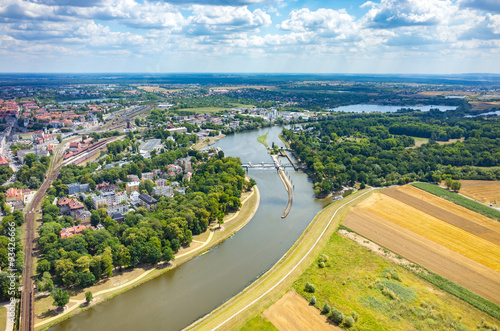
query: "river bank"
234, 313
121, 282
207, 142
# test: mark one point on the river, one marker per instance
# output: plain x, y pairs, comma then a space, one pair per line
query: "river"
177, 298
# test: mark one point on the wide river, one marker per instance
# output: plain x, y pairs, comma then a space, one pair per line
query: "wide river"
177, 298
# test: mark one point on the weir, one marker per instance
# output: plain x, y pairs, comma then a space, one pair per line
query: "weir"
288, 186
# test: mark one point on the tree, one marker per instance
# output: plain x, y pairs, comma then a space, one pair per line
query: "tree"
30, 159
95, 218
61, 297
456, 185
448, 181
88, 297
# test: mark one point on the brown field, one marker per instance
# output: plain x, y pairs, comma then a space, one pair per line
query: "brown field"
481, 106
293, 312
485, 191
445, 238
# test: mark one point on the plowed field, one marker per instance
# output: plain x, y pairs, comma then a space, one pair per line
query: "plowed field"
445, 238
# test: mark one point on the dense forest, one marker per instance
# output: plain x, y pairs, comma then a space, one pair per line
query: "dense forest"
379, 149
144, 237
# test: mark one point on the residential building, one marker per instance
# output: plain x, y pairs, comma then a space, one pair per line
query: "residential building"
147, 176
13, 194
117, 208
163, 191
132, 186
82, 216
71, 231
133, 178
147, 201
106, 187
108, 198
134, 197
118, 217
4, 161
75, 188
69, 206
161, 182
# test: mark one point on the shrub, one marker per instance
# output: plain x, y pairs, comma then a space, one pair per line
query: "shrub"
389, 293
321, 264
326, 309
88, 296
349, 322
355, 316
310, 288
336, 316
313, 300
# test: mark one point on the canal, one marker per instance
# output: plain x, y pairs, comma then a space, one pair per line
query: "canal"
177, 298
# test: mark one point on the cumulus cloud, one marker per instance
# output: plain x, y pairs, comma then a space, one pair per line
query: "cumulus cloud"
492, 6
390, 14
225, 20
487, 29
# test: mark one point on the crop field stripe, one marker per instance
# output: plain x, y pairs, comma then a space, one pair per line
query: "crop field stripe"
447, 235
459, 200
441, 260
444, 215
450, 206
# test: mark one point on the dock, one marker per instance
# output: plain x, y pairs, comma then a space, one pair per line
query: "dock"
288, 186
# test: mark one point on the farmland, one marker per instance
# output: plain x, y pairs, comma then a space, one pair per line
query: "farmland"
354, 278
459, 200
293, 312
445, 238
485, 191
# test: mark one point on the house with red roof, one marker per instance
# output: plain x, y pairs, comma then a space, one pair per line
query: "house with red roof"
4, 161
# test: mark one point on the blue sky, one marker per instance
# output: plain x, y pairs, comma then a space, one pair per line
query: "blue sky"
283, 36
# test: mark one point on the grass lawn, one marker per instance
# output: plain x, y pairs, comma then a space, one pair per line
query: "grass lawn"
263, 139
258, 323
459, 200
3, 318
385, 295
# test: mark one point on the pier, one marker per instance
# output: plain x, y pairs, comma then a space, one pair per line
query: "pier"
288, 186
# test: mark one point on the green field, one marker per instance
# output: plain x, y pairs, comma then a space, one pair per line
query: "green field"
459, 200
263, 139
383, 294
258, 323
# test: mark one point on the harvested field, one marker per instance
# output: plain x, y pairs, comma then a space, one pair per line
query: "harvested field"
435, 229
482, 106
427, 253
448, 212
448, 239
485, 191
293, 312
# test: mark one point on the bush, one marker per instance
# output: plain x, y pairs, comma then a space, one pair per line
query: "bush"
326, 309
88, 296
336, 316
321, 264
313, 300
349, 322
355, 316
310, 288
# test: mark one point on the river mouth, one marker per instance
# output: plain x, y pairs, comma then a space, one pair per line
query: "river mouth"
180, 296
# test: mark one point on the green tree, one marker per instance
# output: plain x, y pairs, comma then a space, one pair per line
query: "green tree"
61, 297
95, 218
88, 297
448, 181
456, 185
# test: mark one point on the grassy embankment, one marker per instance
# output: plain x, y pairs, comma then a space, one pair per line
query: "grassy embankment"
271, 286
386, 296
263, 139
123, 281
459, 200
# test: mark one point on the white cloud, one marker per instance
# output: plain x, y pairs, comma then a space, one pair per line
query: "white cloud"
390, 14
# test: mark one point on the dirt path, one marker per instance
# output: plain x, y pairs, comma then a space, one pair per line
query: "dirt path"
293, 313
441, 260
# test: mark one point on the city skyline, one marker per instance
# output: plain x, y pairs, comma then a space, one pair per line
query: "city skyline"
386, 36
